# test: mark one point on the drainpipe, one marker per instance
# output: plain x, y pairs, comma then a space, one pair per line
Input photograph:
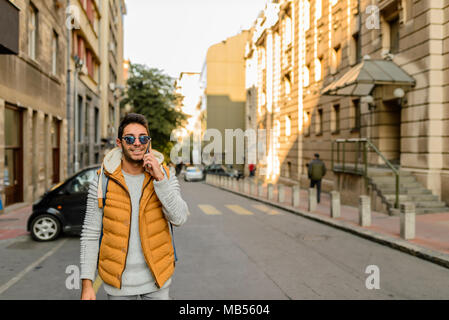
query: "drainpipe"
69, 100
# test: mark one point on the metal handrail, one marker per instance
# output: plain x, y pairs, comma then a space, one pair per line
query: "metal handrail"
366, 145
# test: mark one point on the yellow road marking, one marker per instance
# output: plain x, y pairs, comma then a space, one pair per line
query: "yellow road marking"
266, 209
97, 284
208, 209
238, 209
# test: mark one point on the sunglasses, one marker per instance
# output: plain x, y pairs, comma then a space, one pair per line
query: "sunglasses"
131, 139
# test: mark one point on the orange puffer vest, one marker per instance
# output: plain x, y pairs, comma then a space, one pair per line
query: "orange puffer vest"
154, 231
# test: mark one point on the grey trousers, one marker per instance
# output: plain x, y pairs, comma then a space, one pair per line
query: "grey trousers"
161, 294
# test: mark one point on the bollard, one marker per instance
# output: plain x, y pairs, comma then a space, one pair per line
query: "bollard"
260, 189
365, 211
312, 199
281, 193
295, 196
246, 186
408, 220
241, 186
270, 192
236, 184
253, 187
335, 204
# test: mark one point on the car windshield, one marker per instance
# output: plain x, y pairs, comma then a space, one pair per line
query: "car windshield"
192, 169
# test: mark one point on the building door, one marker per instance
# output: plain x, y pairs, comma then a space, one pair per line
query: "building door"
55, 143
392, 133
13, 170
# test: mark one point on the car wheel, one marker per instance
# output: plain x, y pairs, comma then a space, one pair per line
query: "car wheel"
45, 228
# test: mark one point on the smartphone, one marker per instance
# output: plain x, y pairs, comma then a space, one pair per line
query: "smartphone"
148, 149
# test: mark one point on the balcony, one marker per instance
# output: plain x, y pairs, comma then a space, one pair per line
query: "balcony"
9, 20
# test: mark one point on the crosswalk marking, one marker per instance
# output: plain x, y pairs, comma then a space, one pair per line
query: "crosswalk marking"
266, 209
208, 209
238, 209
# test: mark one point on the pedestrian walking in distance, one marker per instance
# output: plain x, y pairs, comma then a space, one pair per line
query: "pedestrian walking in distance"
131, 207
316, 171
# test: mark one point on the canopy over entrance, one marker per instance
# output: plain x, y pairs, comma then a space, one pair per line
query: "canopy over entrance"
361, 79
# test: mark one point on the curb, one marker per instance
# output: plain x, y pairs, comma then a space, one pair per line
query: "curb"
436, 257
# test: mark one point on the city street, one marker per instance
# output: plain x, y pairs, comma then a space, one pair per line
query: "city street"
235, 248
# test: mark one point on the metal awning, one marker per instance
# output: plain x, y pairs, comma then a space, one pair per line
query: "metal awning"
361, 79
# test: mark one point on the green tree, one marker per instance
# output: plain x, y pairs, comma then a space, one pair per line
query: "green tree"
151, 92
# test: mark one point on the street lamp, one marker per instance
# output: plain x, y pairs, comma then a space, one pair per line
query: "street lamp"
78, 67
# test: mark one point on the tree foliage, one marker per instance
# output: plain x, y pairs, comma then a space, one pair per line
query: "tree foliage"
151, 92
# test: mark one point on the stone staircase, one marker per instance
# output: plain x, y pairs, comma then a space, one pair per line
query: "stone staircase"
383, 182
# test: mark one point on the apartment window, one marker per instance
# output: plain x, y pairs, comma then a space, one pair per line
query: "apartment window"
318, 69
288, 170
287, 85
97, 124
111, 119
335, 59
355, 50
306, 123
288, 31
306, 79
79, 118
80, 47
393, 26
263, 59
32, 31
335, 118
54, 53
318, 9
90, 64
306, 15
319, 122
355, 115
288, 126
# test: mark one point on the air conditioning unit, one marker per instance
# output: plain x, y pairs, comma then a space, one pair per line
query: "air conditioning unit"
112, 47
111, 86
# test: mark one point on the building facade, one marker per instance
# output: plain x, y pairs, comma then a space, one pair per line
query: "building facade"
113, 65
60, 68
224, 97
374, 70
33, 135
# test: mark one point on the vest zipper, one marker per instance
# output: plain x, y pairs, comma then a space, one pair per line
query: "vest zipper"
129, 229
141, 243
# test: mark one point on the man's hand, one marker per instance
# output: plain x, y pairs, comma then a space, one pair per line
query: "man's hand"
152, 166
87, 291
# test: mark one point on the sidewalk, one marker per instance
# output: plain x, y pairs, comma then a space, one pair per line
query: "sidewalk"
431, 236
13, 221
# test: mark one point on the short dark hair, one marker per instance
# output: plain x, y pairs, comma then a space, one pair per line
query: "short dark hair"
317, 155
132, 118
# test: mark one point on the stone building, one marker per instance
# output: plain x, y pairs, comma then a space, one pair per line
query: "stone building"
373, 73
33, 135
223, 98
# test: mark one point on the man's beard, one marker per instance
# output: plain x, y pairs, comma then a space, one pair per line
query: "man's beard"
129, 158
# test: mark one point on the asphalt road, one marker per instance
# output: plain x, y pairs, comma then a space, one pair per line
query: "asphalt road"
236, 248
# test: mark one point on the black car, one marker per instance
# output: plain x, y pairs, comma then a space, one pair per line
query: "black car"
62, 208
221, 170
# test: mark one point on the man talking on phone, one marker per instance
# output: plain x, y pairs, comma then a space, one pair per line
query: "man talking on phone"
127, 231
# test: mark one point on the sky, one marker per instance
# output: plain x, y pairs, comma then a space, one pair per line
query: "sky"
174, 35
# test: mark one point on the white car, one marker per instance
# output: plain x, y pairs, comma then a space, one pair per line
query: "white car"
193, 173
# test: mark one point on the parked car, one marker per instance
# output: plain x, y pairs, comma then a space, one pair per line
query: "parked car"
62, 208
193, 174
222, 170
